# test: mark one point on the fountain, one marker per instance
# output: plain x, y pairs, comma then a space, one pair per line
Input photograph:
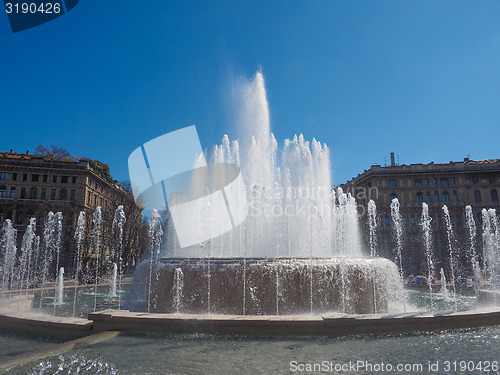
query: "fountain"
444, 291
426, 227
298, 251
118, 223
59, 293
449, 232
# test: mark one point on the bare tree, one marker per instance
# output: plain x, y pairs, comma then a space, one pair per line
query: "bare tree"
54, 153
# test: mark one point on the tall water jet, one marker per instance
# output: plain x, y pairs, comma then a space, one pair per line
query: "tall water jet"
449, 232
47, 252
27, 253
96, 238
426, 228
398, 232
8, 246
57, 236
178, 289
372, 222
112, 290
495, 242
59, 292
488, 246
79, 236
471, 225
155, 232
119, 222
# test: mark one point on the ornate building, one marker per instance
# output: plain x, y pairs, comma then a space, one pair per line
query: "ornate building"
32, 185
454, 184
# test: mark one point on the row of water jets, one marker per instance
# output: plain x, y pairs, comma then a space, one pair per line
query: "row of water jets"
490, 237
31, 268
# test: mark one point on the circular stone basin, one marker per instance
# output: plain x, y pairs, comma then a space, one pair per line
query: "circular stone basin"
270, 286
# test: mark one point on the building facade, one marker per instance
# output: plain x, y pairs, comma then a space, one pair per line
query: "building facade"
455, 184
32, 185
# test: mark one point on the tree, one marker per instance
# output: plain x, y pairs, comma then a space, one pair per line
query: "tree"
54, 153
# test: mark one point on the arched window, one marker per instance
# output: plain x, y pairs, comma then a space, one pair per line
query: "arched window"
62, 194
446, 196
420, 197
477, 196
494, 195
393, 195
33, 192
3, 192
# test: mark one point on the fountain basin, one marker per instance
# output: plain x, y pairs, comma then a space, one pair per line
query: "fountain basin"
270, 286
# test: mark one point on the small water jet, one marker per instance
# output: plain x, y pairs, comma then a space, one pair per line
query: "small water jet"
426, 227
449, 232
59, 292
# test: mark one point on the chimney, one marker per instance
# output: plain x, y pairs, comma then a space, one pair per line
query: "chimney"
27, 152
11, 150
393, 163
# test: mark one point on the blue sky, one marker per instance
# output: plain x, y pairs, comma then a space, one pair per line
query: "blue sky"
420, 78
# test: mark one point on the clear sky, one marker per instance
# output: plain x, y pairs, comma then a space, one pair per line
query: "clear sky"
420, 78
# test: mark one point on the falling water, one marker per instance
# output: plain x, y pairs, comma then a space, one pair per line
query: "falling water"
398, 231
426, 227
372, 222
9, 249
27, 253
487, 243
119, 222
96, 237
495, 242
449, 231
79, 236
59, 293
48, 251
178, 289
155, 232
112, 290
444, 291
471, 225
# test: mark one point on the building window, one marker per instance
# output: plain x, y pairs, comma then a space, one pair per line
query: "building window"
436, 196
428, 197
446, 196
426, 182
14, 176
43, 195
64, 179
393, 183
3, 192
417, 182
53, 194
23, 193
455, 196
435, 180
494, 195
25, 177
443, 181
453, 181
420, 197
72, 195
74, 179
45, 177
2, 217
62, 194
12, 192
34, 178
4, 176
19, 219
393, 196
33, 192
54, 179
477, 196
